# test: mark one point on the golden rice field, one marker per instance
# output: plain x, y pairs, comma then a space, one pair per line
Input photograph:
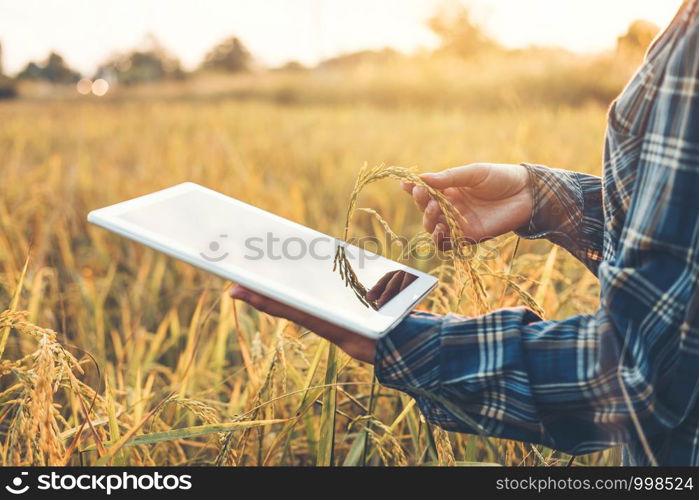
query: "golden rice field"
111, 353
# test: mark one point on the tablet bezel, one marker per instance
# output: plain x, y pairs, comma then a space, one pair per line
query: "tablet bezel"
389, 315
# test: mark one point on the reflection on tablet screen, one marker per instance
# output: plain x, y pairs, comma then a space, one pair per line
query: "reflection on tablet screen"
390, 285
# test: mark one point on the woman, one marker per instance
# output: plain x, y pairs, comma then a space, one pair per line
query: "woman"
628, 374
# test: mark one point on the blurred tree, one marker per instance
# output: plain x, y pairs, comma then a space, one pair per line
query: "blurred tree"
54, 70
7, 87
354, 59
32, 71
292, 66
637, 38
229, 55
151, 63
458, 32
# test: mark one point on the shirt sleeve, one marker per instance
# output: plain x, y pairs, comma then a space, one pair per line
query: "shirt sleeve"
627, 373
513, 375
567, 210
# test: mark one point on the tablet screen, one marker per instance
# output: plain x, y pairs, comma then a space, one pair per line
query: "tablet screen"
269, 250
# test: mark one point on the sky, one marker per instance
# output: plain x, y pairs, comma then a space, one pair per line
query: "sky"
86, 32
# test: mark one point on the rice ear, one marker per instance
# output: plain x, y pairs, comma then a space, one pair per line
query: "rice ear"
462, 260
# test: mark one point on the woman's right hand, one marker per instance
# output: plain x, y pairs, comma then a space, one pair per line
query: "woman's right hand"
493, 198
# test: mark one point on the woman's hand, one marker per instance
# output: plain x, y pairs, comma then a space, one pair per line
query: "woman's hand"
355, 345
493, 198
390, 285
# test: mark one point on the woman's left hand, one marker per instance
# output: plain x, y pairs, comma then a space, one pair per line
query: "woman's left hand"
357, 346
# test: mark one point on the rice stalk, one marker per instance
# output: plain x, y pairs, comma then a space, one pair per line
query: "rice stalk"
194, 431
389, 431
462, 261
393, 237
306, 402
385, 445
545, 280
326, 443
524, 296
230, 453
5, 333
114, 430
445, 452
35, 437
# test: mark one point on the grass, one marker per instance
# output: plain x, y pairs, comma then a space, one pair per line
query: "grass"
139, 359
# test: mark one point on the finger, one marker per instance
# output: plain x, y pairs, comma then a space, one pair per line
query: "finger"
347, 340
398, 283
392, 289
380, 286
421, 197
238, 292
407, 186
441, 237
259, 302
407, 280
441, 219
271, 306
431, 216
265, 304
465, 176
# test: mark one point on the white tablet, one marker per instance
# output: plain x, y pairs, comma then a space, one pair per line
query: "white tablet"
266, 253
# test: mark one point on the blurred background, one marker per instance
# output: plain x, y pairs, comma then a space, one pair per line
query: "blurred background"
306, 51
113, 353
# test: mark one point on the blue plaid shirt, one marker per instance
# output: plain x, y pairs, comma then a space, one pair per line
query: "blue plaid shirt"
629, 373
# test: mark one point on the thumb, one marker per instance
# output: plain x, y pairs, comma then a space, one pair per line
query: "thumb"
465, 176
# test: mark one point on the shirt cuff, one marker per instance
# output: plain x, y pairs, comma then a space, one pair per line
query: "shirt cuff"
557, 204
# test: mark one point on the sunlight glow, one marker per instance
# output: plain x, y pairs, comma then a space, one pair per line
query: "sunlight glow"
276, 31
84, 86
100, 87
